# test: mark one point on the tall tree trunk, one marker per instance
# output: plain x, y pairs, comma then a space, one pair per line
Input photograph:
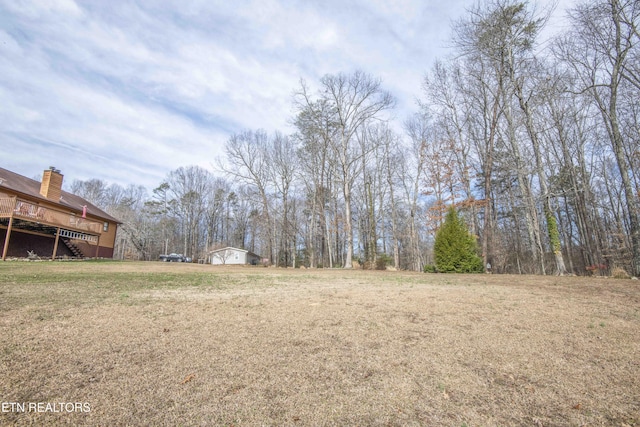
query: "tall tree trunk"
394, 217
631, 198
531, 215
487, 233
552, 225
617, 141
348, 224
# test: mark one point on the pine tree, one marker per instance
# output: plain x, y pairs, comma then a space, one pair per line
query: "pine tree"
455, 248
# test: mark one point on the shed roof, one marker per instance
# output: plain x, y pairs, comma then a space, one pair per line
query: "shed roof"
235, 249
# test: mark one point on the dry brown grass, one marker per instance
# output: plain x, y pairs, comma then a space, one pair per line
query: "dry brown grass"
169, 344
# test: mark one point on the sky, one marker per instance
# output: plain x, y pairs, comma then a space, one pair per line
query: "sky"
127, 91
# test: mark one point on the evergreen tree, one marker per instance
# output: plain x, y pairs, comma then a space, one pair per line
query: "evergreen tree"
455, 248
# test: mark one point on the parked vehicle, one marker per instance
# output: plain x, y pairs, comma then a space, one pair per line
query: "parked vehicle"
175, 258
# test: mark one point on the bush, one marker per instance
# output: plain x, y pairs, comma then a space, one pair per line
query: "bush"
455, 248
619, 273
382, 261
430, 268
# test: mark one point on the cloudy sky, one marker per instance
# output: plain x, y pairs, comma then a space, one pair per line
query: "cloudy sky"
126, 91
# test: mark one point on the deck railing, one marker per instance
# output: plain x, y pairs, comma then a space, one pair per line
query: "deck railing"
6, 206
40, 214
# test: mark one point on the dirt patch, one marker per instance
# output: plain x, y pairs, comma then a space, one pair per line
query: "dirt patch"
240, 346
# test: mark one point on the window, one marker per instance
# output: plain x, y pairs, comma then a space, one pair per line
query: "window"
237, 255
105, 226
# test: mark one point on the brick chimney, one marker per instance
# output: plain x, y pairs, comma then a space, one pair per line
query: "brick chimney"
51, 186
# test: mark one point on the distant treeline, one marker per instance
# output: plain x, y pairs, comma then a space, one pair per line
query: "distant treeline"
536, 143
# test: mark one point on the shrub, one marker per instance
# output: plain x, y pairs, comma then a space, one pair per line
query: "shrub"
382, 261
619, 273
455, 248
429, 268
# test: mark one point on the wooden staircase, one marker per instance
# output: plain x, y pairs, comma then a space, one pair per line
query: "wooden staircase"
73, 248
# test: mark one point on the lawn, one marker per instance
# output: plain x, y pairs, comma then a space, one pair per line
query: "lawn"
111, 343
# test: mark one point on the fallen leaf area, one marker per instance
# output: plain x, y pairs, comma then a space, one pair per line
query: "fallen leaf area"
168, 344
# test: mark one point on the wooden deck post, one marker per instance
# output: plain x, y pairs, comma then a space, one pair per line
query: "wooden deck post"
8, 235
55, 245
98, 246
6, 239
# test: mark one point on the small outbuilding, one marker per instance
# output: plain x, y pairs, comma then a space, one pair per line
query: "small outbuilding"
233, 256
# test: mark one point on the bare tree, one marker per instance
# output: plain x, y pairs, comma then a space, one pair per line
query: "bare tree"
453, 113
189, 187
282, 153
602, 51
417, 127
315, 130
392, 159
352, 101
247, 161
484, 49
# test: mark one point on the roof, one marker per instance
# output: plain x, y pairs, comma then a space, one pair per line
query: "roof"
31, 188
235, 249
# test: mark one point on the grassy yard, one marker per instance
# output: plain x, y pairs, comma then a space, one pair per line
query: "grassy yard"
176, 344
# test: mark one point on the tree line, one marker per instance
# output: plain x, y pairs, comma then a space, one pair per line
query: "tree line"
535, 142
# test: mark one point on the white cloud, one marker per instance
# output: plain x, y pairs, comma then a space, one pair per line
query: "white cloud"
130, 91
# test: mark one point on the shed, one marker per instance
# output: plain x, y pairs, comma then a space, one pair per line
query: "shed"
233, 256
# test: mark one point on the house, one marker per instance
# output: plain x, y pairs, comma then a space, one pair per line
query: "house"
41, 217
233, 256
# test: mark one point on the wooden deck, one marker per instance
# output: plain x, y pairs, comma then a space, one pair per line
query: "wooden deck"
28, 211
